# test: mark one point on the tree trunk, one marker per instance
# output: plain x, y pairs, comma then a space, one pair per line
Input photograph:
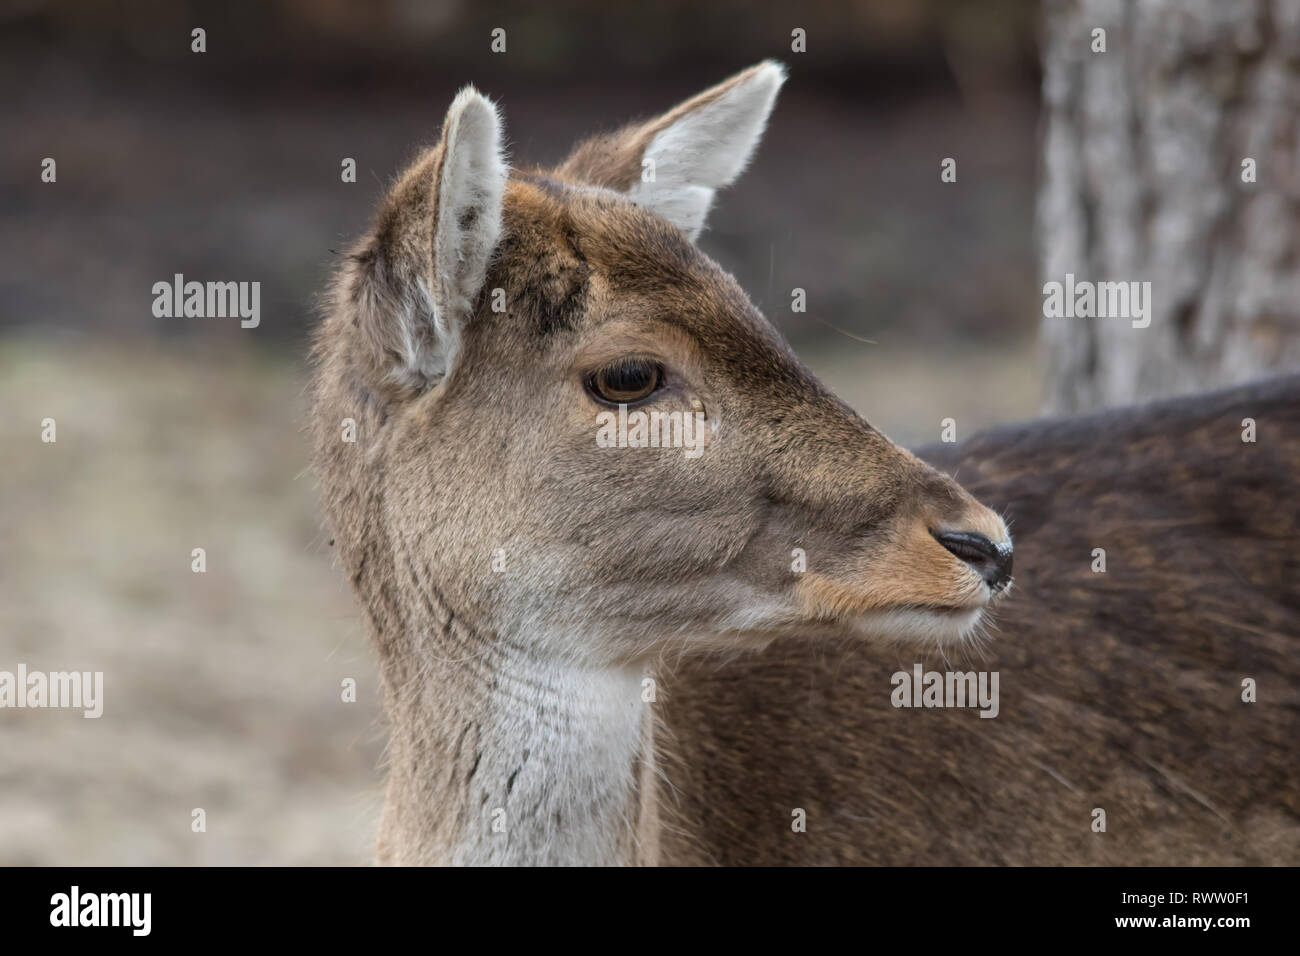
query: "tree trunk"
1142, 180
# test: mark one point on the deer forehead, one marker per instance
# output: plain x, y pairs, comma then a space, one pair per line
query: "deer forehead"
587, 260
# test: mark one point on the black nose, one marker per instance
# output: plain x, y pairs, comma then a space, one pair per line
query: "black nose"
992, 562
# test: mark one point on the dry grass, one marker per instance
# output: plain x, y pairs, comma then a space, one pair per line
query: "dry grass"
222, 689
907, 389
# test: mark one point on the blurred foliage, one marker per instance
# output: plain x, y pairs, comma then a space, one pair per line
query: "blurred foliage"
905, 38
226, 165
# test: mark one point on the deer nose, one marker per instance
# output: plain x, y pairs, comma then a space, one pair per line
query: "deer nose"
992, 561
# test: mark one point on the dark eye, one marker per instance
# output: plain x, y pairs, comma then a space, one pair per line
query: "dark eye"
626, 382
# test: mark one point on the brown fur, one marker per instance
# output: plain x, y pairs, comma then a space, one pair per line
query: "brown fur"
1120, 690
518, 689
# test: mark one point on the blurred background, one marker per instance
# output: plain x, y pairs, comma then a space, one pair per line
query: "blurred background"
222, 689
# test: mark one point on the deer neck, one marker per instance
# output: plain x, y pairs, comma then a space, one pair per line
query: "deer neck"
501, 754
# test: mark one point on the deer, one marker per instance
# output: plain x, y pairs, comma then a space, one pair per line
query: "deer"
1157, 570
597, 653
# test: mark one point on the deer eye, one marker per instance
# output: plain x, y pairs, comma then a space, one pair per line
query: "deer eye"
626, 382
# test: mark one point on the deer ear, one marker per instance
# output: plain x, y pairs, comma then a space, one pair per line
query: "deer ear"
422, 268
470, 186
672, 165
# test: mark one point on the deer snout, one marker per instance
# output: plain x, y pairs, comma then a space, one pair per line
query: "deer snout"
992, 561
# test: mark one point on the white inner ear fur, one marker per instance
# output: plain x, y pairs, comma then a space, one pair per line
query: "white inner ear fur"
471, 190
707, 149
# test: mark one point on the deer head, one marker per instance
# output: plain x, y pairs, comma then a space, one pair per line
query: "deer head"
492, 320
